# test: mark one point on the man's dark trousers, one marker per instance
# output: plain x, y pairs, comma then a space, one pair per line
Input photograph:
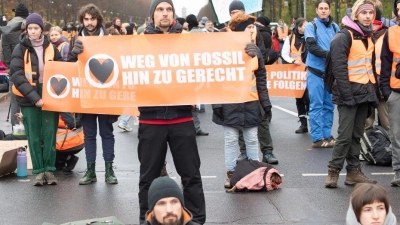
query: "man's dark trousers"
350, 130
152, 149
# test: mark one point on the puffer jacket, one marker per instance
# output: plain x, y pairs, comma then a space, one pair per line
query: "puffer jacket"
17, 70
346, 92
10, 37
351, 218
247, 114
165, 112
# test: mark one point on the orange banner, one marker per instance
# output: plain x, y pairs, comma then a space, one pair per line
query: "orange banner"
286, 80
155, 70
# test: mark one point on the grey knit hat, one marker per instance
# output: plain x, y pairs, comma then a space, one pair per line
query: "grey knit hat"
36, 19
155, 3
163, 187
236, 5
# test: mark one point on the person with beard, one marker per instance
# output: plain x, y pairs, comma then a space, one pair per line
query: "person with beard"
318, 35
379, 29
92, 20
291, 53
353, 57
61, 42
160, 126
27, 71
166, 204
390, 88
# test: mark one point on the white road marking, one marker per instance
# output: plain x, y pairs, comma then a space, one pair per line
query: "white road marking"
318, 174
285, 110
382, 173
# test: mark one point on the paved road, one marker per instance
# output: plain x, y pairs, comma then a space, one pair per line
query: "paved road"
302, 199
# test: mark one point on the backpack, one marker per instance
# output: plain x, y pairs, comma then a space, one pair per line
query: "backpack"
329, 77
251, 175
376, 147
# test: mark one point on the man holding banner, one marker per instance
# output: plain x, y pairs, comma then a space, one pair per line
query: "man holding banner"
172, 125
92, 20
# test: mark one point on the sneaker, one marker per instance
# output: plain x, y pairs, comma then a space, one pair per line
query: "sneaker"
125, 127
332, 178
396, 179
39, 180
241, 157
229, 175
331, 141
50, 178
270, 158
322, 144
356, 176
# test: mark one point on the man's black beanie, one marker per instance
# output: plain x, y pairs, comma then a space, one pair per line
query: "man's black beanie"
236, 5
263, 20
163, 187
155, 3
21, 11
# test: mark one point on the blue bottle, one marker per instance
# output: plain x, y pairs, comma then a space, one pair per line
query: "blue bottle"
22, 168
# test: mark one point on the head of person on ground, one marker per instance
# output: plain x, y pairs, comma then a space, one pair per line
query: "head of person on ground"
91, 18
162, 13
369, 204
166, 203
235, 7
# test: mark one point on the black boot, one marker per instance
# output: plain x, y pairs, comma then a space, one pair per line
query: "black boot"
303, 127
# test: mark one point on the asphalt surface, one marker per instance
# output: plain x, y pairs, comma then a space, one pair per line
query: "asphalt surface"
301, 200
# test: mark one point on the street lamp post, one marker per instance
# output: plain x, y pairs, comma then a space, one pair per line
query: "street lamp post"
305, 9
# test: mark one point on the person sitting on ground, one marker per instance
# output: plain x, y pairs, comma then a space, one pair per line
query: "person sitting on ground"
166, 204
369, 204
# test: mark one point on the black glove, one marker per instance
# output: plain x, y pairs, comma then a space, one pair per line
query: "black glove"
350, 103
78, 48
219, 113
251, 49
268, 112
397, 72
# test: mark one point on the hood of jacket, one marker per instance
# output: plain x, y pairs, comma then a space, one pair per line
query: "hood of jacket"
175, 28
346, 21
351, 218
262, 28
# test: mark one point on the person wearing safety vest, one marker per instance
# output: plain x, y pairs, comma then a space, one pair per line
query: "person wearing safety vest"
354, 90
283, 32
291, 53
390, 88
59, 41
318, 35
27, 70
244, 116
264, 135
379, 29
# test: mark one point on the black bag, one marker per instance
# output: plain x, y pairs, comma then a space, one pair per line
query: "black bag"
376, 147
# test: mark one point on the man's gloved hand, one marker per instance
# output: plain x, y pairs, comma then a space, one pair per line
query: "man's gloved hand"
251, 49
350, 103
268, 112
78, 48
219, 113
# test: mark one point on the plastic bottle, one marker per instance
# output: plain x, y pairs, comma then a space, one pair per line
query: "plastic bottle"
22, 168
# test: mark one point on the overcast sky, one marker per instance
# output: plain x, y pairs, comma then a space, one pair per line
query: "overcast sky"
192, 7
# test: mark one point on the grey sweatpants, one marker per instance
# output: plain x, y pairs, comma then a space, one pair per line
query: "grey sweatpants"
393, 104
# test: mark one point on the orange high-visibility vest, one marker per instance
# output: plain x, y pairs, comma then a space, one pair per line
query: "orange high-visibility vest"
394, 46
283, 33
294, 52
378, 51
359, 63
69, 140
48, 56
